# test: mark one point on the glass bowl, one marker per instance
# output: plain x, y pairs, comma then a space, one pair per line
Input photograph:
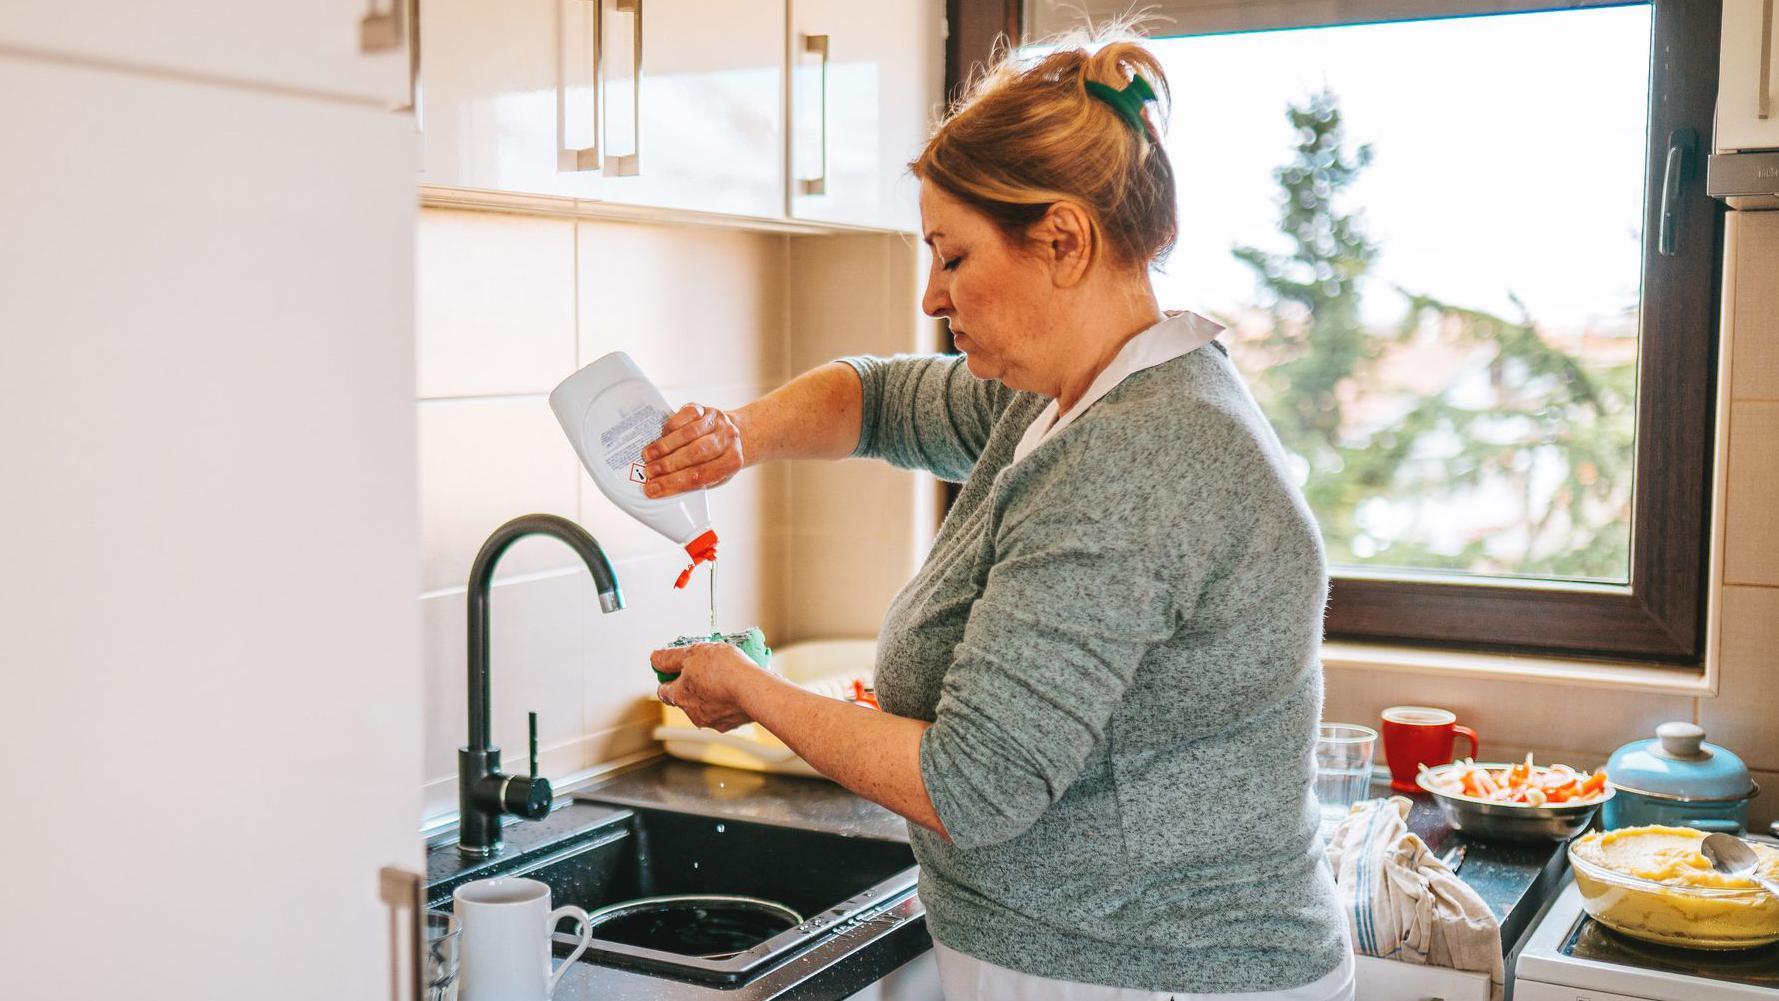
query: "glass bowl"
1691, 917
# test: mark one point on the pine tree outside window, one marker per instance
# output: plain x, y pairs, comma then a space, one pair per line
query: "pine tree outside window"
1433, 240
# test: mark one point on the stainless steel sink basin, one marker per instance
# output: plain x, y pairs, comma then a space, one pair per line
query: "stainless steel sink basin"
831, 880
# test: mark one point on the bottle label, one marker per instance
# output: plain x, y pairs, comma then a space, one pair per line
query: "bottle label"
623, 442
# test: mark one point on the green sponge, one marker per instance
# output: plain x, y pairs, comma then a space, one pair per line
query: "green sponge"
751, 642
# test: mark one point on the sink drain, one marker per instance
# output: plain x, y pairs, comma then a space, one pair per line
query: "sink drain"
703, 926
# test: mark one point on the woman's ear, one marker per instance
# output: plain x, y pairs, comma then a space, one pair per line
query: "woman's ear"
1064, 239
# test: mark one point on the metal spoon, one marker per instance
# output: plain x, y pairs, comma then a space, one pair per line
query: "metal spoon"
1732, 857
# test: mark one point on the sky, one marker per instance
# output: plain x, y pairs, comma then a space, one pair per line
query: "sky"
1508, 156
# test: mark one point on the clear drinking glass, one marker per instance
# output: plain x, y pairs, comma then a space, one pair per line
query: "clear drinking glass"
442, 940
1343, 769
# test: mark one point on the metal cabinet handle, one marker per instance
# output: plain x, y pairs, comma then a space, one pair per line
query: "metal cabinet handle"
381, 30
818, 185
1766, 59
587, 157
1680, 147
411, 15
403, 890
630, 164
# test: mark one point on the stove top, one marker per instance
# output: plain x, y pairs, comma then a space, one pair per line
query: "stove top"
1567, 953
1593, 941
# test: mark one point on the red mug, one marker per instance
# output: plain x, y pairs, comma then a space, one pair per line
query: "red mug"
1421, 735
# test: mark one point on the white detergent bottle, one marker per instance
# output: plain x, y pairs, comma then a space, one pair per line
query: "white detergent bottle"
611, 412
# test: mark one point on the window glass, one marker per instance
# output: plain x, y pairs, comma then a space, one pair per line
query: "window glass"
1425, 238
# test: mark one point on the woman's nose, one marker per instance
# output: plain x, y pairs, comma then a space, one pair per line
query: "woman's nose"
935, 302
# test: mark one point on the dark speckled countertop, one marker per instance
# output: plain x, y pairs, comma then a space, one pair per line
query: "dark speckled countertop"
1512, 878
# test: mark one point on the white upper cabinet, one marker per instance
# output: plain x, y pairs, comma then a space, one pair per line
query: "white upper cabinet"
667, 103
339, 48
867, 82
1748, 88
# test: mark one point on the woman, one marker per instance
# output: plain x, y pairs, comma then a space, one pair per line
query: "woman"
1101, 690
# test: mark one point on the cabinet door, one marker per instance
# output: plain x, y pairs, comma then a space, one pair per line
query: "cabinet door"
1749, 28
342, 48
1389, 980
710, 120
541, 97
491, 96
211, 641
867, 82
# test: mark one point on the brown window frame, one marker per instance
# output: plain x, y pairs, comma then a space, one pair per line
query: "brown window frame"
1660, 616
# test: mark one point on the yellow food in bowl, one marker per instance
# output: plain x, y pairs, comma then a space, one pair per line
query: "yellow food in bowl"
1654, 884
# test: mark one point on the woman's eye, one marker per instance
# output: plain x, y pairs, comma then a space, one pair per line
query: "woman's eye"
952, 264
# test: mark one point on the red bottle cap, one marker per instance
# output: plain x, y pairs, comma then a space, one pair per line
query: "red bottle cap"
701, 549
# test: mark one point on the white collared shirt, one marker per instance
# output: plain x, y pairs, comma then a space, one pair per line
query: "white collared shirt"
1180, 334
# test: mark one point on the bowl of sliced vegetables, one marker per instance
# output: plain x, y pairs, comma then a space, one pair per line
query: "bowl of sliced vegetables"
1515, 802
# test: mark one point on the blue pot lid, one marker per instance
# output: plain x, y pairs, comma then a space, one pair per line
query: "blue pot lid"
1678, 764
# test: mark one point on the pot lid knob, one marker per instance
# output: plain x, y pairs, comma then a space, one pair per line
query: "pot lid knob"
1681, 741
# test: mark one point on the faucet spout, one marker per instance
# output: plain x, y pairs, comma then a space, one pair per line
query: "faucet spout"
483, 793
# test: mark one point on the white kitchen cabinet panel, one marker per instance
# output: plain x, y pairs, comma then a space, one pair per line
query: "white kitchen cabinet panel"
867, 83
313, 46
1746, 89
1388, 980
516, 101
211, 642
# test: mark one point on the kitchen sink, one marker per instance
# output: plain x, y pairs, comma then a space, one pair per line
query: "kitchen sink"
832, 881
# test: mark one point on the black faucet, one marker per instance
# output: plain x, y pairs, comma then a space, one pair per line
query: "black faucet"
484, 795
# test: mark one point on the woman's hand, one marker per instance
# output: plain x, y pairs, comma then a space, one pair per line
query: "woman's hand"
712, 679
700, 447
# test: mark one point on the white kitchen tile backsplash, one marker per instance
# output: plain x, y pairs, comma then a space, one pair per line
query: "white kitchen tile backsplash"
496, 306
1745, 715
693, 307
1755, 374
1751, 531
483, 461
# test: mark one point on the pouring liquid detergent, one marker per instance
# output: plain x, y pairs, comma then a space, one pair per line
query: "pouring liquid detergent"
611, 412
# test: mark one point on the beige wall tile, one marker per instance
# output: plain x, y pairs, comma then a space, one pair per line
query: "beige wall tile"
535, 665
1580, 725
1744, 716
483, 462
854, 496
1755, 372
1751, 509
1765, 807
496, 303
855, 295
840, 586
693, 307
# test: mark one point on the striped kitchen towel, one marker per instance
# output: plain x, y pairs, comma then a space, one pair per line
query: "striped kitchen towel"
1402, 902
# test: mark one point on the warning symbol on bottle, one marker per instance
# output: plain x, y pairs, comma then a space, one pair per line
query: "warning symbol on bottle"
638, 473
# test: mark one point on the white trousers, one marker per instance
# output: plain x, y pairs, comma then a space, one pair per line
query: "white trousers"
966, 978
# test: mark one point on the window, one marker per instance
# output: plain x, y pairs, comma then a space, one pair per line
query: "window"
1434, 239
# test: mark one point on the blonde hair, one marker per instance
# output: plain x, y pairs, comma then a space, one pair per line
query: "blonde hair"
1024, 137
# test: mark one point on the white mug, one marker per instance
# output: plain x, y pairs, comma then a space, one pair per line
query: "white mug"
507, 924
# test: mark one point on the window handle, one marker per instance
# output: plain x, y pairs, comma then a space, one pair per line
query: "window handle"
818, 185
587, 157
1766, 59
630, 164
1681, 143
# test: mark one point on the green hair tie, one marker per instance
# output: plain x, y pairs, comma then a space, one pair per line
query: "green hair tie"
1127, 102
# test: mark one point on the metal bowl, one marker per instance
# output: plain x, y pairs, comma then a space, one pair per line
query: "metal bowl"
1481, 818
